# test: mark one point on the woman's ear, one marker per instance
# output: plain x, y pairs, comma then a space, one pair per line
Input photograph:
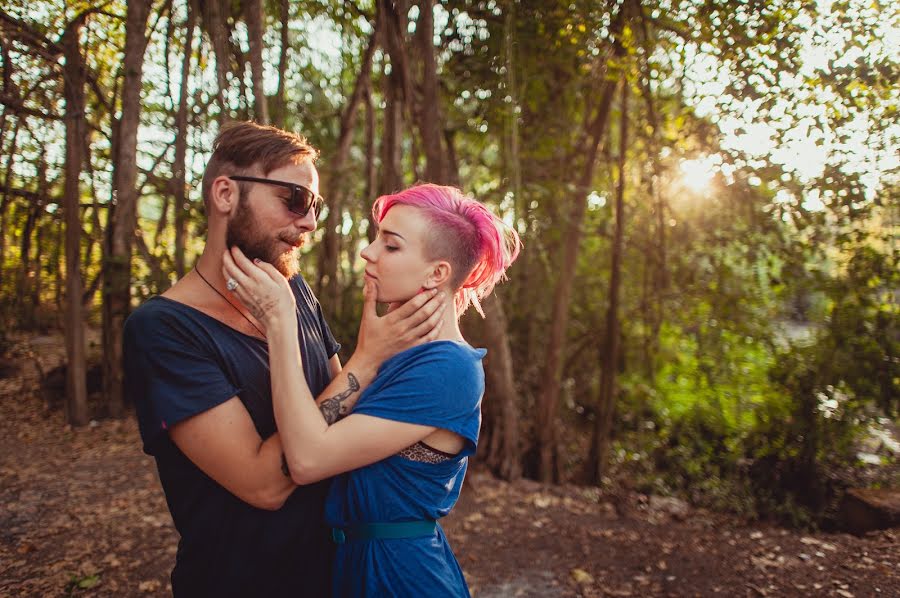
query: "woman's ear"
224, 194
440, 273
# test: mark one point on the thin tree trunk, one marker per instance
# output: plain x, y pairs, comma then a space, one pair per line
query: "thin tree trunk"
256, 29
4, 205
117, 290
606, 403
504, 452
217, 29
391, 137
31, 270
181, 118
548, 401
371, 170
280, 105
430, 118
74, 80
336, 185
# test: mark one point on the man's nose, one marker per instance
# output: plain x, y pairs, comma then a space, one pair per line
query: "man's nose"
306, 223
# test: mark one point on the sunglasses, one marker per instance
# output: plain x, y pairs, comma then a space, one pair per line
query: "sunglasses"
302, 199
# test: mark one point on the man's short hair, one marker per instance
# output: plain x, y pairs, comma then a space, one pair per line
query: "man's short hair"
245, 147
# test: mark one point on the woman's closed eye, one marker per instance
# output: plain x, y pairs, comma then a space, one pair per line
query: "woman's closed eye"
391, 247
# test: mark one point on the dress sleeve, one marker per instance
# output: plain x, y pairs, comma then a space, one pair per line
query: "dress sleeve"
440, 387
169, 375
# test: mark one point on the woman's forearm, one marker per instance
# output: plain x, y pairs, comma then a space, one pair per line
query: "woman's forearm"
301, 422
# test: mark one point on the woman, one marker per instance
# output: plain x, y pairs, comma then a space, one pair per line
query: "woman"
403, 451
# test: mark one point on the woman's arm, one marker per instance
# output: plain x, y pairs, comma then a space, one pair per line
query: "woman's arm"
313, 450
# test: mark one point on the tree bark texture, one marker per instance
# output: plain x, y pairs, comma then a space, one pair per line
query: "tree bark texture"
430, 120
117, 287
501, 404
280, 104
394, 84
74, 81
256, 28
217, 28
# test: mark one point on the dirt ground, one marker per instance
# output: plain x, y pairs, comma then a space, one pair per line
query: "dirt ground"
82, 514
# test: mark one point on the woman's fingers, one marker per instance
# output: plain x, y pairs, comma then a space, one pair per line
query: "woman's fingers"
419, 308
430, 328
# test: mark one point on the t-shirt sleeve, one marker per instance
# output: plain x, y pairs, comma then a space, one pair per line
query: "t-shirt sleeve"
441, 388
168, 374
304, 293
331, 344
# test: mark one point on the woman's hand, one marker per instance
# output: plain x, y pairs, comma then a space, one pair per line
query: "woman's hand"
263, 290
406, 325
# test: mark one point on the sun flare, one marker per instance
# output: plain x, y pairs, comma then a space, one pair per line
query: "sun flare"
698, 174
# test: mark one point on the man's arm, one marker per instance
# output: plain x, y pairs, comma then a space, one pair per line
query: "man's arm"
224, 444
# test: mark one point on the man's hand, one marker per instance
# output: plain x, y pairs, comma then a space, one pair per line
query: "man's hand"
415, 322
263, 290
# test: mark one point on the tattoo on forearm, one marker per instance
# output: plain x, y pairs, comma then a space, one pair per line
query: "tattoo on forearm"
334, 408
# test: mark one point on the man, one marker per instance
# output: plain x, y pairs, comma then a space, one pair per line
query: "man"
196, 367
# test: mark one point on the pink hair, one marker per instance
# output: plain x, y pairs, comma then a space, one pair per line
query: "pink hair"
478, 245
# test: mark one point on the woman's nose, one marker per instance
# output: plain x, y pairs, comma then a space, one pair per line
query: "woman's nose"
366, 253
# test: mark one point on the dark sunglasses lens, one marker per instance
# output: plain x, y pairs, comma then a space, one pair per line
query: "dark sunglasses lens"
300, 200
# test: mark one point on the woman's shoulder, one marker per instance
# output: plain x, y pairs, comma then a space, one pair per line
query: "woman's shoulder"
444, 359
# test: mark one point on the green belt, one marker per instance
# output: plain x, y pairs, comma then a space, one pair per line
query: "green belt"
383, 531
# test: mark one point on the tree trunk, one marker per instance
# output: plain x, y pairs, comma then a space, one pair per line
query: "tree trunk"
74, 80
31, 270
548, 400
504, 448
5, 203
117, 290
218, 36
430, 118
329, 252
180, 179
280, 107
394, 85
256, 29
371, 170
606, 403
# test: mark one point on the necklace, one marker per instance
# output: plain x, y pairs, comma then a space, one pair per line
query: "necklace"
219, 293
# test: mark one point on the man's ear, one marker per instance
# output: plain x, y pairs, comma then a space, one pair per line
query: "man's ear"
440, 273
224, 194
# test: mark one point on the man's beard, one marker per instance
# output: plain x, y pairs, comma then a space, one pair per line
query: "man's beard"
244, 233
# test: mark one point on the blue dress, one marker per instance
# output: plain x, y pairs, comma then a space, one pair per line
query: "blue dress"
437, 384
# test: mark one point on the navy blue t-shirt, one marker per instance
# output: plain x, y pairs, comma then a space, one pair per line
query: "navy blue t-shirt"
180, 362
